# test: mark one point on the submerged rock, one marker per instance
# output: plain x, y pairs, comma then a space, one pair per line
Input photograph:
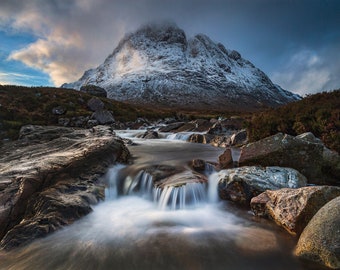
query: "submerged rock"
52, 176
320, 240
304, 153
293, 208
242, 184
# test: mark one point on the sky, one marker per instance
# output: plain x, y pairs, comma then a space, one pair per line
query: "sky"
50, 42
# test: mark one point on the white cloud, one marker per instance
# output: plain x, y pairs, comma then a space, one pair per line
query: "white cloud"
305, 72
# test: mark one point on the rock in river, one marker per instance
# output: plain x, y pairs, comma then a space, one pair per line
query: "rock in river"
293, 208
304, 153
242, 184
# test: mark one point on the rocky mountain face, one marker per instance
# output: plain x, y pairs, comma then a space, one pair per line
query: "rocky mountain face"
158, 65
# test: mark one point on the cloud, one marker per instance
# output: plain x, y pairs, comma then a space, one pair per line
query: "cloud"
307, 72
71, 36
7, 78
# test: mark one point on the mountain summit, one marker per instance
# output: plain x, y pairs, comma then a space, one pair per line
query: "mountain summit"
157, 65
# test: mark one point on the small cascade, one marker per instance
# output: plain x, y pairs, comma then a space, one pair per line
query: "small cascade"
141, 184
182, 197
112, 178
235, 155
180, 136
213, 188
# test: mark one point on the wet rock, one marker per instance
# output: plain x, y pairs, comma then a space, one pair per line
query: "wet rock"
94, 90
159, 172
197, 138
225, 160
103, 117
95, 104
198, 165
182, 178
320, 240
242, 184
293, 208
171, 127
150, 134
239, 138
220, 141
304, 153
52, 177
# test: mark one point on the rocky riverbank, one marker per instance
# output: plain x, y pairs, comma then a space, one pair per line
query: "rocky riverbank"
50, 177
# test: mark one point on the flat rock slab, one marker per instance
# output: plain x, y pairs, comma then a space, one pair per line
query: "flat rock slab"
33, 168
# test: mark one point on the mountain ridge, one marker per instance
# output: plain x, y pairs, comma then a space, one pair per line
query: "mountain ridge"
158, 65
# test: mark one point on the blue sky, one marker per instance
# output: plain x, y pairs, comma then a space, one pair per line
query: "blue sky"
295, 42
15, 72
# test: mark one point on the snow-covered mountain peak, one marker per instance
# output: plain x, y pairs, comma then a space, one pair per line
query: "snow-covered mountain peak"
157, 65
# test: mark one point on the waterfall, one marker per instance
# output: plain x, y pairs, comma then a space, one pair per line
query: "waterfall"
213, 188
112, 176
188, 195
235, 155
141, 184
180, 136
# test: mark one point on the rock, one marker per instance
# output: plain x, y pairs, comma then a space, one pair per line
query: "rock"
52, 177
160, 172
304, 153
242, 184
225, 160
239, 138
150, 134
197, 138
217, 129
95, 104
103, 117
198, 165
94, 90
181, 179
171, 127
293, 208
59, 110
64, 121
320, 240
220, 141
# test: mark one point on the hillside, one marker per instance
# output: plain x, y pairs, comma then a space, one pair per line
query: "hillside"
319, 114
34, 105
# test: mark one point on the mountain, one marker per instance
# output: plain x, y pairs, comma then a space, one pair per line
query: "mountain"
157, 65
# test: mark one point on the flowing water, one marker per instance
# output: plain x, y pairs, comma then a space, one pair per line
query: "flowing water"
141, 227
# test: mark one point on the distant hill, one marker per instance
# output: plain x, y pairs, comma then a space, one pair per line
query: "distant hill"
159, 66
319, 114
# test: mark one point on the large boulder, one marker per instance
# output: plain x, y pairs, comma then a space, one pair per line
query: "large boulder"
293, 208
103, 117
51, 177
242, 184
304, 153
320, 240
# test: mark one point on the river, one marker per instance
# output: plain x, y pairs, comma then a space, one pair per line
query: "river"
137, 230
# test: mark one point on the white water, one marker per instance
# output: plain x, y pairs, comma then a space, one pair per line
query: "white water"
141, 227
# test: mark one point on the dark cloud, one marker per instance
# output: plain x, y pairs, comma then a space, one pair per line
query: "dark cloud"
73, 36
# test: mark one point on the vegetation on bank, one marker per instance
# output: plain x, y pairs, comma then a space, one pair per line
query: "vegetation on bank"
318, 113
33, 105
